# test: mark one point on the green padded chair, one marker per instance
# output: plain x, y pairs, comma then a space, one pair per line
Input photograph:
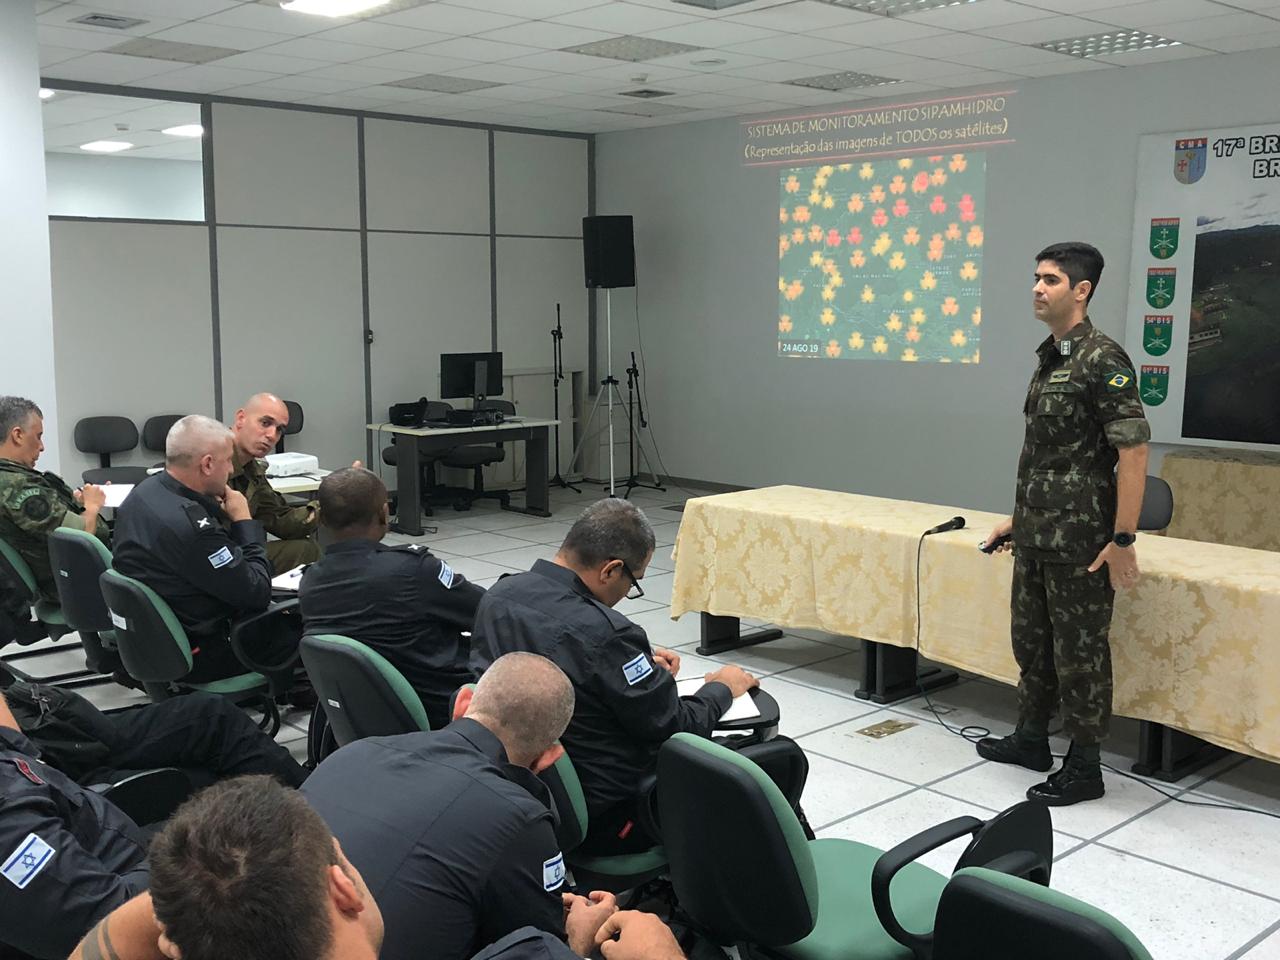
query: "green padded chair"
361, 693
156, 652
744, 872
988, 915
612, 873
79, 560
18, 598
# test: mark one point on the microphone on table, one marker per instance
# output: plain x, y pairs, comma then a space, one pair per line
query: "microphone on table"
955, 523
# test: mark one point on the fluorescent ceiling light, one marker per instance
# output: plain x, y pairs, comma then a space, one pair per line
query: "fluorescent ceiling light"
895, 8
1109, 44
46, 93
185, 130
106, 146
331, 8
847, 80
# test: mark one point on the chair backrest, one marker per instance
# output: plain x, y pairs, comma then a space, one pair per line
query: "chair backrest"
506, 406
988, 915
763, 890
79, 560
295, 423
1157, 505
362, 694
570, 803
105, 436
15, 573
151, 642
156, 430
1025, 830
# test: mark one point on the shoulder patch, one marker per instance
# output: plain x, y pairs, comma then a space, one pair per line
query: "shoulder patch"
637, 669
27, 860
445, 575
553, 873
221, 558
199, 517
35, 506
1119, 379
1060, 376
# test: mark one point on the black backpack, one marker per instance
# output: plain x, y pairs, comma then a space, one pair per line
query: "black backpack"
73, 735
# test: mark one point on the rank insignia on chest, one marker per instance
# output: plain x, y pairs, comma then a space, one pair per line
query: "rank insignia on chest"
1064, 347
1060, 376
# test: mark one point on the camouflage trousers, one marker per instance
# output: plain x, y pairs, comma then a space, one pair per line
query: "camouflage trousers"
287, 554
1061, 619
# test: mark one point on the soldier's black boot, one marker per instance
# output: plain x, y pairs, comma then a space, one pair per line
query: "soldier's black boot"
1079, 779
1018, 748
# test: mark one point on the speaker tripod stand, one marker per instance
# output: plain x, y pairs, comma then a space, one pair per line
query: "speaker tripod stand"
609, 393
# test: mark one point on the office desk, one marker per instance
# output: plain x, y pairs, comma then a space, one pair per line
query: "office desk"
411, 442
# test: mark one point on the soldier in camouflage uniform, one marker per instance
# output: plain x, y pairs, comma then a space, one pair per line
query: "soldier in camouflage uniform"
258, 427
1074, 513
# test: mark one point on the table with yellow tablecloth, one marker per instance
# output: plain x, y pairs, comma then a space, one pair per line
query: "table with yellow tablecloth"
1225, 496
1194, 643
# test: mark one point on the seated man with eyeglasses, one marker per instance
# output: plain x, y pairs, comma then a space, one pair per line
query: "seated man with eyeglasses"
626, 702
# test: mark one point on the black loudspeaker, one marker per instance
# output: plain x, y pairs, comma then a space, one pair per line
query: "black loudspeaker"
608, 253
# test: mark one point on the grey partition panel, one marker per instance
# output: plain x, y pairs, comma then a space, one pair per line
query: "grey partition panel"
540, 184
292, 323
285, 167
131, 327
535, 274
421, 176
428, 295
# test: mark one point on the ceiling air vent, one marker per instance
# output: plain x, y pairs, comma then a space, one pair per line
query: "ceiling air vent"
647, 93
109, 20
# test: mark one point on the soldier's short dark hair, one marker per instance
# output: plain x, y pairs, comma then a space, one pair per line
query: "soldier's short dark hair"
16, 412
241, 870
610, 529
351, 497
1079, 261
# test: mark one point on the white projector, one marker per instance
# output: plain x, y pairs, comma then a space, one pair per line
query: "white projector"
291, 464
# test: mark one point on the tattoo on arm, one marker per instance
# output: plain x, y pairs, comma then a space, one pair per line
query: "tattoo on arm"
98, 939
106, 939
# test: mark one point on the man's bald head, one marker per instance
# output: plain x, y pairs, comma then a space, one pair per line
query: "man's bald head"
259, 425
353, 504
527, 702
197, 452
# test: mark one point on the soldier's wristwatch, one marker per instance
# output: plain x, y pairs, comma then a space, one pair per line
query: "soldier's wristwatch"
1123, 539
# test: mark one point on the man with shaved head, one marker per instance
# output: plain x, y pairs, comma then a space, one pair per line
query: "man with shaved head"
190, 537
257, 428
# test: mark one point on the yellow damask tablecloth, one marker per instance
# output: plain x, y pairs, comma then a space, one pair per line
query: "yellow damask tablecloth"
1195, 644
1225, 496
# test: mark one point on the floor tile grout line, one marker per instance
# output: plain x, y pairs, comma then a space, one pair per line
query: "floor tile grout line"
1257, 939
1191, 873
887, 776
867, 809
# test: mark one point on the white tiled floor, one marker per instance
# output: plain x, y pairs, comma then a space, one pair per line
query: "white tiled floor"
1192, 883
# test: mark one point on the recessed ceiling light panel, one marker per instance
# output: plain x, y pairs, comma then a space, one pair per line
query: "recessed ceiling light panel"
845, 80
1109, 44
647, 93
185, 130
152, 49
110, 21
344, 8
106, 146
713, 4
47, 94
632, 49
439, 83
896, 8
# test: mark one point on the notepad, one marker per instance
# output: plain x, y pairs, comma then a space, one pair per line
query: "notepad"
742, 708
289, 580
116, 492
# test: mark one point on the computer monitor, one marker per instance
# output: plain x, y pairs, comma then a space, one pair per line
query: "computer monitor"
475, 375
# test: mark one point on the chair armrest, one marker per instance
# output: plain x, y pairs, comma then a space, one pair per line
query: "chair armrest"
281, 617
647, 807
894, 860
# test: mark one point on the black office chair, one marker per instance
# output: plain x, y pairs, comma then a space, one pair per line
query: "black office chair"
437, 411
477, 458
295, 423
105, 436
156, 430
148, 796
79, 560
1157, 505
987, 915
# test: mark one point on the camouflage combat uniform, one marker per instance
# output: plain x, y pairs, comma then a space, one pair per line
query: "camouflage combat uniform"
1081, 405
32, 505
295, 526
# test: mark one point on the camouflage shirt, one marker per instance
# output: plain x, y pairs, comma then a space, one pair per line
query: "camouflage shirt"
268, 507
1081, 406
32, 505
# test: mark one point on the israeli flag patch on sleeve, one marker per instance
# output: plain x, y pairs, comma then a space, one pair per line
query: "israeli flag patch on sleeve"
221, 558
637, 669
446, 575
553, 873
31, 856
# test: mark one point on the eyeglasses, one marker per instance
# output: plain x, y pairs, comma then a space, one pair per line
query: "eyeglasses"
636, 591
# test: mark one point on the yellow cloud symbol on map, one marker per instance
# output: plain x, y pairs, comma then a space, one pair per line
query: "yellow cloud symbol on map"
894, 323
913, 334
897, 261
784, 324
837, 280
958, 163
908, 296
855, 342
828, 317
868, 295
880, 345
858, 259
905, 163
928, 281
794, 289
815, 233
876, 194
897, 186
783, 245
968, 271
815, 197
815, 258
909, 355
974, 237
866, 171
953, 231
782, 284
958, 338
797, 235
828, 202
833, 349
792, 185
977, 316
949, 307
911, 237
828, 294
783, 216
855, 203
882, 244
938, 177
917, 315
845, 167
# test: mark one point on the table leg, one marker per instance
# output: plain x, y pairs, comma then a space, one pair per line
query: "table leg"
1169, 755
725, 633
408, 486
537, 500
892, 673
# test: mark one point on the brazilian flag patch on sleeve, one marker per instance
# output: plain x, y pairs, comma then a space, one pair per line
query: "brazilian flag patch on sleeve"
1119, 380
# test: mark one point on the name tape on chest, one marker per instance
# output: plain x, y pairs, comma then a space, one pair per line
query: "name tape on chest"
30, 857
446, 575
221, 558
553, 873
1060, 376
637, 669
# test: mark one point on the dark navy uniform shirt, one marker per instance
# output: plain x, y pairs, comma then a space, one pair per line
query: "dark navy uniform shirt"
455, 843
527, 944
406, 604
626, 706
68, 857
174, 540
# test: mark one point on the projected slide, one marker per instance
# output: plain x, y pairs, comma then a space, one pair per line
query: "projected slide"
882, 259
